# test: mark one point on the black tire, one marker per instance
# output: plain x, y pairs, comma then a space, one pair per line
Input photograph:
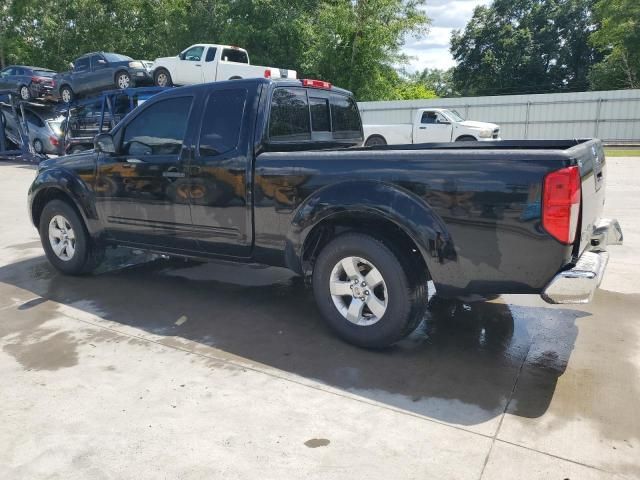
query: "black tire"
38, 146
466, 138
406, 292
63, 96
24, 92
375, 140
87, 256
123, 80
158, 78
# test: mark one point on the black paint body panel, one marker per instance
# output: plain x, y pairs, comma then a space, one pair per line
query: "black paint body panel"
472, 209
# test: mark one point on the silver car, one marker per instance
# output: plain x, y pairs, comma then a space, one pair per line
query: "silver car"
45, 129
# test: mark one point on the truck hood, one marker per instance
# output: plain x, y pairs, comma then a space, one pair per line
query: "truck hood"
473, 124
164, 60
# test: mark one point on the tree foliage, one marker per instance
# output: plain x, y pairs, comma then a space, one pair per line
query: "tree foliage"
353, 43
619, 39
525, 46
436, 80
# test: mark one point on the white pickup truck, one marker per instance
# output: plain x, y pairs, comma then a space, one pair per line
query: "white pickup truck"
204, 63
431, 125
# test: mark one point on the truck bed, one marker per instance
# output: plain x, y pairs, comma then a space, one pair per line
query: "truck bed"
486, 198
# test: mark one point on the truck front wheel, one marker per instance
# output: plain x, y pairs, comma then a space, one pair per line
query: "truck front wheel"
162, 78
65, 240
364, 292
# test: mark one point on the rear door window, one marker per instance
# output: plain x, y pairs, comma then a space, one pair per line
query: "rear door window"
320, 116
222, 121
289, 120
345, 117
211, 55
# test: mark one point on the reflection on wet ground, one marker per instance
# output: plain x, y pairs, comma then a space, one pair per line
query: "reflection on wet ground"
460, 366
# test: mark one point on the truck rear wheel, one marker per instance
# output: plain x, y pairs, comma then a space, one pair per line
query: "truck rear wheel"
65, 240
375, 140
365, 293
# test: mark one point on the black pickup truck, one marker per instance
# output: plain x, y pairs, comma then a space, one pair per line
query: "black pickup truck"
273, 172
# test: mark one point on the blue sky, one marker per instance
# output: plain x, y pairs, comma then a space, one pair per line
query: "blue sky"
432, 51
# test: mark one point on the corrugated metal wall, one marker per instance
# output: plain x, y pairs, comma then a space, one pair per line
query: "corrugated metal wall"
610, 115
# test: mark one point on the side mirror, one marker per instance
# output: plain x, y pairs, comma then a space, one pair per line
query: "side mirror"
444, 122
102, 61
103, 142
181, 56
71, 65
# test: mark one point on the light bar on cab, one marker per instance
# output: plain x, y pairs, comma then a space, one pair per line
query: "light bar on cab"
306, 82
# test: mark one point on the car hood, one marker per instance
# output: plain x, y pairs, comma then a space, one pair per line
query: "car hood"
474, 124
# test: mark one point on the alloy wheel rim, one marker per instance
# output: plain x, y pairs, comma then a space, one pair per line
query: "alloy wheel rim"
66, 96
358, 291
123, 81
37, 146
62, 238
162, 80
24, 93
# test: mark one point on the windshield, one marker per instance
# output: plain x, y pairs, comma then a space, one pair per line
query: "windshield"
454, 115
116, 57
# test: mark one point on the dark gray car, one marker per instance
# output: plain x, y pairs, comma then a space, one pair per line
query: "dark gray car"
28, 82
99, 71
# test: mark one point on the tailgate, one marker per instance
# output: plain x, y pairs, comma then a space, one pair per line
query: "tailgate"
591, 161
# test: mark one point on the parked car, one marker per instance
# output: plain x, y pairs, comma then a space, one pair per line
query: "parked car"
28, 82
99, 71
269, 172
432, 125
203, 63
44, 125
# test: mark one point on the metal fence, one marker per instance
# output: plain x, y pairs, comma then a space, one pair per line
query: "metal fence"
613, 116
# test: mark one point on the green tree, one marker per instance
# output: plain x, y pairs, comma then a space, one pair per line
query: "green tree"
437, 80
412, 90
356, 44
618, 38
525, 46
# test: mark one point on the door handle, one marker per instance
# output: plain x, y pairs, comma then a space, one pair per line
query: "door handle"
173, 174
198, 65
423, 128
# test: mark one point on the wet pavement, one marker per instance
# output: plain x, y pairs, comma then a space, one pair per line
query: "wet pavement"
167, 368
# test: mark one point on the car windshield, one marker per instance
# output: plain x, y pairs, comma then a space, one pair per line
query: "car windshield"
455, 115
116, 57
44, 73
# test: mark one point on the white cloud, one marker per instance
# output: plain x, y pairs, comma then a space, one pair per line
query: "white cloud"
432, 50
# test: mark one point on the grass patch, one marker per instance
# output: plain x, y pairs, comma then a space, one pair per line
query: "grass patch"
619, 152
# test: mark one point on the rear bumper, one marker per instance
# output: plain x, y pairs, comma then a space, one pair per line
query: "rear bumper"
578, 284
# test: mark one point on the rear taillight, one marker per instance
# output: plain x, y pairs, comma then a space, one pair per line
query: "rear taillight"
35, 79
316, 84
54, 141
267, 73
561, 203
